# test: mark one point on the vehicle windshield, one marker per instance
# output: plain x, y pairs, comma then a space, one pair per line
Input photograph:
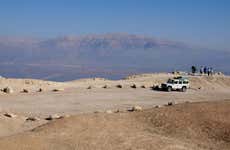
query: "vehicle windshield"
170, 81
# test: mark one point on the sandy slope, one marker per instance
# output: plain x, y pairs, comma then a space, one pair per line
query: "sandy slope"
116, 131
11, 126
197, 126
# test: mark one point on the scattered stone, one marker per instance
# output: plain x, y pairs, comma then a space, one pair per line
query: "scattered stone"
105, 86
199, 88
109, 111
40, 90
119, 86
55, 116
134, 86
158, 106
90, 87
117, 111
143, 86
220, 73
171, 103
136, 108
49, 118
96, 112
57, 90
32, 119
10, 115
8, 90
25, 91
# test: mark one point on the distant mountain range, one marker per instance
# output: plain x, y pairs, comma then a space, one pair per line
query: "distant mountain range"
70, 57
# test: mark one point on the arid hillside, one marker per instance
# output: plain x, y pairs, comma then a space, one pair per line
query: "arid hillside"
188, 126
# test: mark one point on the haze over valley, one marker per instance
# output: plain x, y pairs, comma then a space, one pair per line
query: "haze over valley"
112, 56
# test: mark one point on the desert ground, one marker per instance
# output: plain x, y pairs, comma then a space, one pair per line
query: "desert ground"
93, 114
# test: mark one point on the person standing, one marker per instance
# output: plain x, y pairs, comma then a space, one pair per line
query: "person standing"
209, 71
205, 70
201, 70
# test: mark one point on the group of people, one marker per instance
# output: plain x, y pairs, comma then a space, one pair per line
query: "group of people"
206, 70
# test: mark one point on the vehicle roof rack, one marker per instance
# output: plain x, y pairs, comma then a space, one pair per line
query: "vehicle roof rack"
180, 77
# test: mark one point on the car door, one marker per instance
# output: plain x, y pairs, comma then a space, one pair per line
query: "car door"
175, 84
180, 84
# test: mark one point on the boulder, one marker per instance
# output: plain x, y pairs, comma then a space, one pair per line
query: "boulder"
219, 73
57, 90
96, 112
143, 86
171, 103
158, 106
10, 115
56, 116
90, 87
136, 108
119, 86
53, 117
117, 111
8, 90
32, 119
133, 86
25, 91
40, 90
105, 86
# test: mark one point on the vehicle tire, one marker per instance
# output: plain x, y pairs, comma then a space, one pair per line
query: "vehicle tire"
183, 89
169, 89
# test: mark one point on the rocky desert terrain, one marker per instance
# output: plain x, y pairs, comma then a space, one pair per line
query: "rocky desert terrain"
107, 114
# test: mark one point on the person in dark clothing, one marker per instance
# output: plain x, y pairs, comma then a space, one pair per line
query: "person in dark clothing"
205, 70
201, 70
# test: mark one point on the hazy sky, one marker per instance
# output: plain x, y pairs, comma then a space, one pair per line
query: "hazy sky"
198, 22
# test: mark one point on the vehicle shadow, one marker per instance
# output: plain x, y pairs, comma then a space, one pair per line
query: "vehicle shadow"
158, 89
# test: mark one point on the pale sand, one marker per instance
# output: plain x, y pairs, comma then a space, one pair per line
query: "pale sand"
74, 98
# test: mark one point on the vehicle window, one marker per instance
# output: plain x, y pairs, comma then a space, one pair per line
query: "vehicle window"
180, 82
175, 82
170, 81
185, 82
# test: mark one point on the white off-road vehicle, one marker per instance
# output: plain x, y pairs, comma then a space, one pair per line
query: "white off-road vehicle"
178, 83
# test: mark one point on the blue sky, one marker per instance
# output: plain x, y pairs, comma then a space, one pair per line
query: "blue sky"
204, 23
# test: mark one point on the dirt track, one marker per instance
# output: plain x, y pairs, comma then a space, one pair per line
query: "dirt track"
74, 101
